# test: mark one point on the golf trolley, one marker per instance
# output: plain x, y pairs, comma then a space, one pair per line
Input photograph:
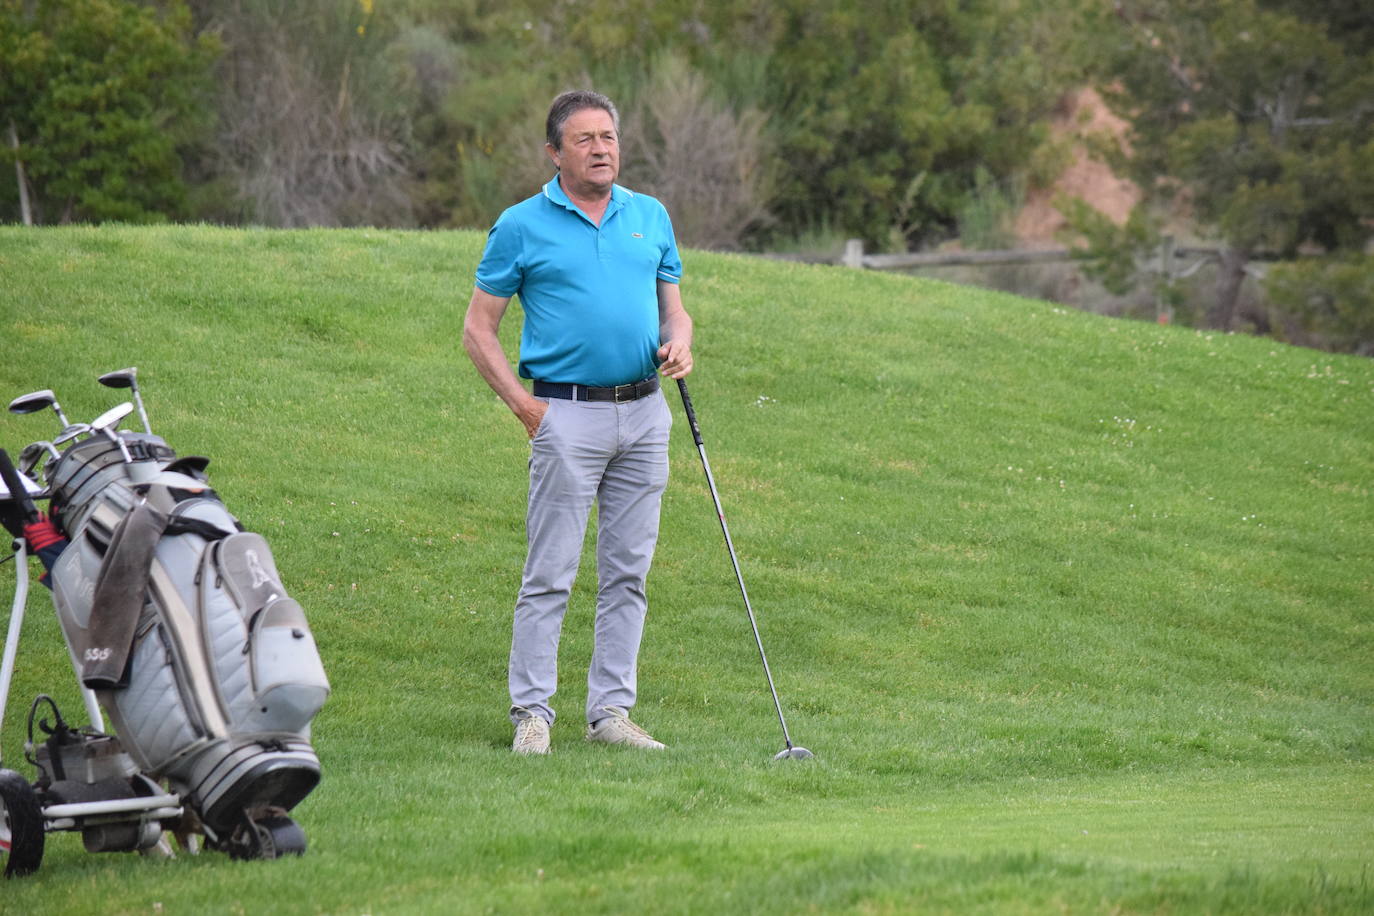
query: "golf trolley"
179, 631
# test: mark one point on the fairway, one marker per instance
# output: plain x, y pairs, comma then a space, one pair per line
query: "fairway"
1077, 614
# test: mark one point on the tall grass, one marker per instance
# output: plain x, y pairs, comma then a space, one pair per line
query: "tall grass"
1075, 613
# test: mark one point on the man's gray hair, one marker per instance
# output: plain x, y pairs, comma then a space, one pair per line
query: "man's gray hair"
569, 104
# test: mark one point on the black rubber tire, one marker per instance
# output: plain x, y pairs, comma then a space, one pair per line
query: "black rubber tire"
21, 825
279, 836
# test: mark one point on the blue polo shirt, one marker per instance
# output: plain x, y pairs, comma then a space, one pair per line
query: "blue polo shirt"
590, 293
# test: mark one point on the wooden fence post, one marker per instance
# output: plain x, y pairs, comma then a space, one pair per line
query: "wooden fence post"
853, 253
24, 208
1164, 307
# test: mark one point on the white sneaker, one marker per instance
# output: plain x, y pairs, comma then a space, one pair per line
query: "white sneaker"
617, 728
531, 736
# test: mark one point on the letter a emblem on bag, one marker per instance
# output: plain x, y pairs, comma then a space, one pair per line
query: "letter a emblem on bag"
255, 568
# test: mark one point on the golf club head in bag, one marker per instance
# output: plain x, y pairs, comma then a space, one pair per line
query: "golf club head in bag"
128, 378
36, 401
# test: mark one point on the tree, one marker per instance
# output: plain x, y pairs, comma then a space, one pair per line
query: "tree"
882, 119
1330, 300
892, 117
698, 155
1255, 115
307, 134
101, 99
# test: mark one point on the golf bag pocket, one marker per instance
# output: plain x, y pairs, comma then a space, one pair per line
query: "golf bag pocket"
247, 571
289, 685
269, 669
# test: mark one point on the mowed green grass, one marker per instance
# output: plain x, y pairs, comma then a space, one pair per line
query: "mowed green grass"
1075, 613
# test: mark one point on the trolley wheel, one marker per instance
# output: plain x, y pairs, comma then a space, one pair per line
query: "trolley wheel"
269, 838
21, 825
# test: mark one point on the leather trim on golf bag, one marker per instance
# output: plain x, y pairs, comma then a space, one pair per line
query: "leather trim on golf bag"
223, 676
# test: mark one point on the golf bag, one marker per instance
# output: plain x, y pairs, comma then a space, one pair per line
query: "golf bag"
177, 619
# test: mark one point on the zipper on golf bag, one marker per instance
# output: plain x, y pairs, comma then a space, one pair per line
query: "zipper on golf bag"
184, 690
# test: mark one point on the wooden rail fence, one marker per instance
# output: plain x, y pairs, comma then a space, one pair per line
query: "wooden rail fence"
1167, 262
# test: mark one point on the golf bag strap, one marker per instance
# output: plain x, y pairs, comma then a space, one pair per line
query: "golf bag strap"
180, 524
190, 465
121, 589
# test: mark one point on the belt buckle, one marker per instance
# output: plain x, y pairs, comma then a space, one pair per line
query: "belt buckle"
630, 389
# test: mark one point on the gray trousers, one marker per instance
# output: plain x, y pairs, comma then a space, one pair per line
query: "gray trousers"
617, 456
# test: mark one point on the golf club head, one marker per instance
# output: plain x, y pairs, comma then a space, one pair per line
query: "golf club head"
35, 401
128, 378
29, 457
120, 378
108, 421
793, 753
71, 432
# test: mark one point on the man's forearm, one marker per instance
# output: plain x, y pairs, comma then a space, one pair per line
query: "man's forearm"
480, 339
674, 332
677, 327
485, 351
674, 324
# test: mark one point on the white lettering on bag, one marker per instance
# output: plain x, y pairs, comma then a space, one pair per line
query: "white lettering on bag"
255, 567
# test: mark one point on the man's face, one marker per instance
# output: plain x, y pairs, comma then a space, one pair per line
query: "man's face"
589, 161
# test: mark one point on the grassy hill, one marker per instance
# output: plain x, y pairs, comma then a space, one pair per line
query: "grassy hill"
1077, 614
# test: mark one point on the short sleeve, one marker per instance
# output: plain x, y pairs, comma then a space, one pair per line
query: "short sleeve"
670, 264
501, 270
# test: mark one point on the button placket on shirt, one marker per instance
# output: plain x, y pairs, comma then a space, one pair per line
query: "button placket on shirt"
601, 236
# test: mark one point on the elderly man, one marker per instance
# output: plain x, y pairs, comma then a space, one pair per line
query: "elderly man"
596, 267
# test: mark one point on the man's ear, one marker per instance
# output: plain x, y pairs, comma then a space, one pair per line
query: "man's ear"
552, 154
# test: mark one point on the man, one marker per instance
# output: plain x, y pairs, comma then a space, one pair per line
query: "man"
596, 267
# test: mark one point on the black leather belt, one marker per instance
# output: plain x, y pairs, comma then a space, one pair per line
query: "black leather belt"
619, 394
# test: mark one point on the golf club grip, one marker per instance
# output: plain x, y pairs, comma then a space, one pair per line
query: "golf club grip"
691, 414
16, 487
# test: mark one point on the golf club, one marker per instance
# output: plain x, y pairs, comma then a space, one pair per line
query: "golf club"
791, 751
108, 422
128, 378
37, 400
28, 458
72, 432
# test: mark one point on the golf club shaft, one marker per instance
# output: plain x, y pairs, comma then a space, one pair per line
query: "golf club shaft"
730, 546
142, 414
